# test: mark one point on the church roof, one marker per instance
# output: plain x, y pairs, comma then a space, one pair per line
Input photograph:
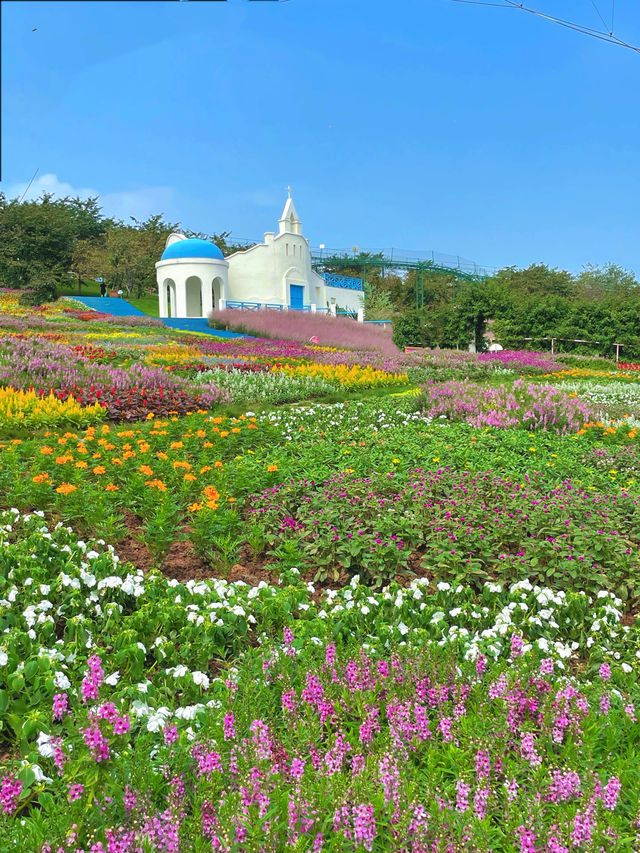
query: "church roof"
192, 248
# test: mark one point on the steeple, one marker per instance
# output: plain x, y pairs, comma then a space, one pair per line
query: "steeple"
289, 222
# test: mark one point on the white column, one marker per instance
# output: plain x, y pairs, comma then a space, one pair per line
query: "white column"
207, 297
172, 299
222, 304
360, 315
332, 308
181, 296
313, 308
162, 298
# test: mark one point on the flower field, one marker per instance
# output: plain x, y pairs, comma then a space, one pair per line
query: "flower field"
264, 595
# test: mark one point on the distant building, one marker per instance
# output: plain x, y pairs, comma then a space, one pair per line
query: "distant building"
194, 277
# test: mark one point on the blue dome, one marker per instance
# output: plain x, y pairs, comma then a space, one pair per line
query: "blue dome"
192, 249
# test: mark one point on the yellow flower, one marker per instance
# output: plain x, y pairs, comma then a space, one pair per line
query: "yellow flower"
145, 469
189, 477
99, 469
194, 507
81, 464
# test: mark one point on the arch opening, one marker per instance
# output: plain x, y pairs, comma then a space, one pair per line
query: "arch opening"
193, 292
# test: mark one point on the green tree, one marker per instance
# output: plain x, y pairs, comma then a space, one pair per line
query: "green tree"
37, 238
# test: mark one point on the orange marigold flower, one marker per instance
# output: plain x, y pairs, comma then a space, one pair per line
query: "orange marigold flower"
145, 469
110, 487
212, 504
61, 460
207, 444
116, 461
231, 500
129, 454
46, 450
211, 493
97, 456
218, 464
161, 455
143, 446
109, 447
150, 416
236, 429
156, 484
99, 469
194, 507
205, 468
62, 441
179, 464
224, 433
201, 433
66, 489
251, 426
272, 467
81, 464
105, 430
40, 478
189, 477
81, 449
176, 445
217, 420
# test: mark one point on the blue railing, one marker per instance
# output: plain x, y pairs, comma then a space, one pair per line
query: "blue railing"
346, 281
379, 322
273, 307
250, 305
346, 313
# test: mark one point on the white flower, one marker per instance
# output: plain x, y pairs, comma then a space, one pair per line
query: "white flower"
364, 610
4, 658
443, 586
112, 679
61, 681
44, 747
403, 628
626, 668
157, 720
200, 679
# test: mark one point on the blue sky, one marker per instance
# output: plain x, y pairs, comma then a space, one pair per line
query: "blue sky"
419, 124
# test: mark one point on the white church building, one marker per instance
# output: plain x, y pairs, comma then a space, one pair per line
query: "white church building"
194, 277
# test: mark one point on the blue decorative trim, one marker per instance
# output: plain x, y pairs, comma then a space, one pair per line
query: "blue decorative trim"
346, 281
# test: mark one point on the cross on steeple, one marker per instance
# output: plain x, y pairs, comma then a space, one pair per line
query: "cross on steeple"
289, 191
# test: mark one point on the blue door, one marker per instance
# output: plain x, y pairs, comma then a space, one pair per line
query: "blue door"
296, 299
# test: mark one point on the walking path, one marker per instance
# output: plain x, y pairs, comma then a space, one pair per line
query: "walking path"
121, 308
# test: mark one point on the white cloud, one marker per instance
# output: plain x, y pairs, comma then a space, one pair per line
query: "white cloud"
140, 203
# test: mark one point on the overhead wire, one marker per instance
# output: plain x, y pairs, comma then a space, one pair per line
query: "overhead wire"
602, 35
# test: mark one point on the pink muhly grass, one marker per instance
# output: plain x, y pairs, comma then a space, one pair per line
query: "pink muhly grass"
342, 332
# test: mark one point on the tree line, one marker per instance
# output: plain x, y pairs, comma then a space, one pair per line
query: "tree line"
51, 244
521, 308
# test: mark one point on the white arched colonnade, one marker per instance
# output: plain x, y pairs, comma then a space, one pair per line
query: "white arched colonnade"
191, 287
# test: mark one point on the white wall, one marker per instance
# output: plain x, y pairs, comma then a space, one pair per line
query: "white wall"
264, 272
345, 298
